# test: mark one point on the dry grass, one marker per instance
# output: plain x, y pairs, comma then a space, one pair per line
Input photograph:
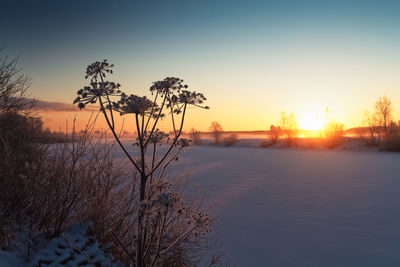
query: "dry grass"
79, 180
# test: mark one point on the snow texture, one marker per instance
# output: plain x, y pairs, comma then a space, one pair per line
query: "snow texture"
8, 260
76, 247
291, 207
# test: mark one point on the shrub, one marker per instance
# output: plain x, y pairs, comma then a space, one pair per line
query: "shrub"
333, 134
62, 184
392, 138
266, 143
230, 139
195, 136
46, 188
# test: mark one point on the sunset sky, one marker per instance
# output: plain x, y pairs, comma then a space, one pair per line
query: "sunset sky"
252, 59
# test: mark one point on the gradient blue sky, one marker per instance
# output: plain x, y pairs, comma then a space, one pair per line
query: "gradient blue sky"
252, 59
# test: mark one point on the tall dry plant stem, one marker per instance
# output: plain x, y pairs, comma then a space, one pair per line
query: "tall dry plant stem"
171, 99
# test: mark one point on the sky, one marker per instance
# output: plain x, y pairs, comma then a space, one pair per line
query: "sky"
251, 59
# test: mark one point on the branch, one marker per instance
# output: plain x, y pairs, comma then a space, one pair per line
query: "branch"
123, 247
172, 114
159, 240
155, 122
173, 144
140, 144
116, 136
152, 110
166, 165
177, 240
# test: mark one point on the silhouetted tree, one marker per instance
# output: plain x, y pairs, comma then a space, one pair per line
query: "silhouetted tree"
13, 86
377, 122
370, 134
383, 112
289, 127
274, 133
18, 127
216, 131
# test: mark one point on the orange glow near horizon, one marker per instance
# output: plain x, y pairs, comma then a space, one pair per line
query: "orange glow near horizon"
310, 124
311, 118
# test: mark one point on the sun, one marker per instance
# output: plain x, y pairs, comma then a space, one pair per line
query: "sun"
311, 122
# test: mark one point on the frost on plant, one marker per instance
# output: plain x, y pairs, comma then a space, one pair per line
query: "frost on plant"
164, 222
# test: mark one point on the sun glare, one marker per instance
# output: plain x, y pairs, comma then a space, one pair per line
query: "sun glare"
311, 122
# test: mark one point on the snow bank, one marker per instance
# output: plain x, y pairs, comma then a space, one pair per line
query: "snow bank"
9, 260
76, 247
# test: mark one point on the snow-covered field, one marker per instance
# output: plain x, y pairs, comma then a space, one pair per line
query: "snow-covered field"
297, 207
288, 207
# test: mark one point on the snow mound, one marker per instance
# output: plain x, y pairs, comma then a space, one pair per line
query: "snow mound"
77, 247
8, 260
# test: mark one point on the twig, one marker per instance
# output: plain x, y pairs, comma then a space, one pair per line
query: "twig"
78, 249
123, 247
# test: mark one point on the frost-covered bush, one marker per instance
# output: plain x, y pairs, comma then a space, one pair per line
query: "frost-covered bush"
230, 139
165, 223
65, 183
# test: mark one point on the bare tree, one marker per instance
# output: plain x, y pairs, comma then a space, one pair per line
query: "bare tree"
216, 131
19, 127
289, 127
13, 86
274, 133
383, 112
370, 134
377, 123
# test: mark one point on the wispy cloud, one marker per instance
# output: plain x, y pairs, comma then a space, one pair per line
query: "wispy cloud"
51, 106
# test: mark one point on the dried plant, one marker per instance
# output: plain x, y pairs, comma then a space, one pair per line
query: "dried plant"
163, 220
61, 184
